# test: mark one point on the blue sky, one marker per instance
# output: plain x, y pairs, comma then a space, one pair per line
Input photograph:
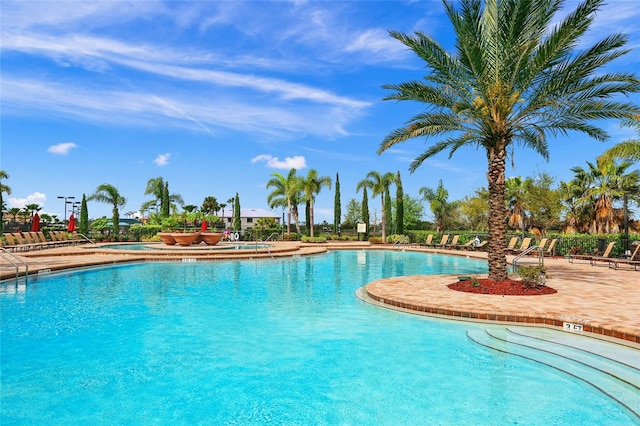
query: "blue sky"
216, 96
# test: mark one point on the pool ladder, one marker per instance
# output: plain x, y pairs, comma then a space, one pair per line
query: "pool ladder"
266, 245
15, 261
521, 255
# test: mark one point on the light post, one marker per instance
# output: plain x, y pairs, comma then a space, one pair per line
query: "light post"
75, 209
65, 206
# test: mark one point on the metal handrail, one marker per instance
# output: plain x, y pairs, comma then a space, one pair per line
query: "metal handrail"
85, 237
527, 251
10, 257
404, 240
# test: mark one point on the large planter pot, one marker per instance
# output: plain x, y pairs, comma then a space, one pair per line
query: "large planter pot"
167, 238
211, 238
185, 239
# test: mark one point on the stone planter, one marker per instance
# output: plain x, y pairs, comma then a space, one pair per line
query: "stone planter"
211, 238
167, 238
185, 239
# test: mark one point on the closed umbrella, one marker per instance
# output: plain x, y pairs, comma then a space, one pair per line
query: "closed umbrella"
203, 227
72, 224
35, 223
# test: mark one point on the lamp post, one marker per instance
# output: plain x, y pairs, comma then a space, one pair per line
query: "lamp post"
65, 206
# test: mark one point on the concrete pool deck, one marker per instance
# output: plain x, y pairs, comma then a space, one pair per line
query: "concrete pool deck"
603, 301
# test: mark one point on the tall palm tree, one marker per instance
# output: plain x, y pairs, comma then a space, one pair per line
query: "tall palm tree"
378, 184
439, 203
606, 182
287, 193
515, 78
109, 194
4, 189
311, 186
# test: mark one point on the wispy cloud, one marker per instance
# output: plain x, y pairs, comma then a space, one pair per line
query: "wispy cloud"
162, 159
61, 148
296, 162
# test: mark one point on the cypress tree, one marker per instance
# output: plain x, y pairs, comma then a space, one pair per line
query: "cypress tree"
237, 225
399, 206
337, 207
165, 201
83, 227
365, 212
388, 217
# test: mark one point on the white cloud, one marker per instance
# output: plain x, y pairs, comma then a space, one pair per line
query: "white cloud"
295, 162
35, 198
162, 159
61, 148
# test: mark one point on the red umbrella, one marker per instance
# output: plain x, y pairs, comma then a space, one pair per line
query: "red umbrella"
203, 227
72, 224
35, 223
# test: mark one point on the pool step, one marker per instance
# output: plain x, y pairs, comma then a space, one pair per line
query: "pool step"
616, 380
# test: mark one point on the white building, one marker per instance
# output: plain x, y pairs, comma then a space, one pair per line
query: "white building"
248, 217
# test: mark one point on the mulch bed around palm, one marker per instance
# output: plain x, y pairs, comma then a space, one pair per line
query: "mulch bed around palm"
502, 288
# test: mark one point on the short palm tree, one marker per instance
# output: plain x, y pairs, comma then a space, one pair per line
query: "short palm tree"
157, 187
439, 203
109, 194
515, 78
311, 186
378, 184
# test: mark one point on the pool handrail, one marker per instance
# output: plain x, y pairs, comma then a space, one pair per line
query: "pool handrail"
12, 258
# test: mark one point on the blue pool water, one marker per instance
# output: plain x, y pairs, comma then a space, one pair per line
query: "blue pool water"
263, 342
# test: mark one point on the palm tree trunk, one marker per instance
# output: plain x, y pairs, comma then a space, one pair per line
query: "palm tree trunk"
497, 226
384, 222
311, 218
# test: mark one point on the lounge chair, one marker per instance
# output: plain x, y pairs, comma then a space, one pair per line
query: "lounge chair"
593, 258
466, 246
12, 244
443, 241
454, 242
512, 243
633, 260
526, 242
428, 241
551, 249
482, 244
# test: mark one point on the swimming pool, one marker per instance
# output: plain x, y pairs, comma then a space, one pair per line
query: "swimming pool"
278, 341
162, 246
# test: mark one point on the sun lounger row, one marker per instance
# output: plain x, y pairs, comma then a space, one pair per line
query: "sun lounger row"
453, 244
26, 241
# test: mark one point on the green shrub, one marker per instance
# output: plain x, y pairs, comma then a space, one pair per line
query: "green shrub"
532, 276
143, 232
306, 239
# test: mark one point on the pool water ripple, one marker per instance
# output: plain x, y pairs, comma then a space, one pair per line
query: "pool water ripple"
280, 341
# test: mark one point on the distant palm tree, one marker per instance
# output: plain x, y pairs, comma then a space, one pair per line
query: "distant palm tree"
514, 77
109, 194
157, 187
287, 193
311, 186
4, 189
439, 203
378, 184
514, 193
606, 182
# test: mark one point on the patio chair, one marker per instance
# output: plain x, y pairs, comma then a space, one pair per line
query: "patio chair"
593, 258
428, 241
551, 249
12, 244
443, 241
453, 243
526, 242
633, 260
512, 243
